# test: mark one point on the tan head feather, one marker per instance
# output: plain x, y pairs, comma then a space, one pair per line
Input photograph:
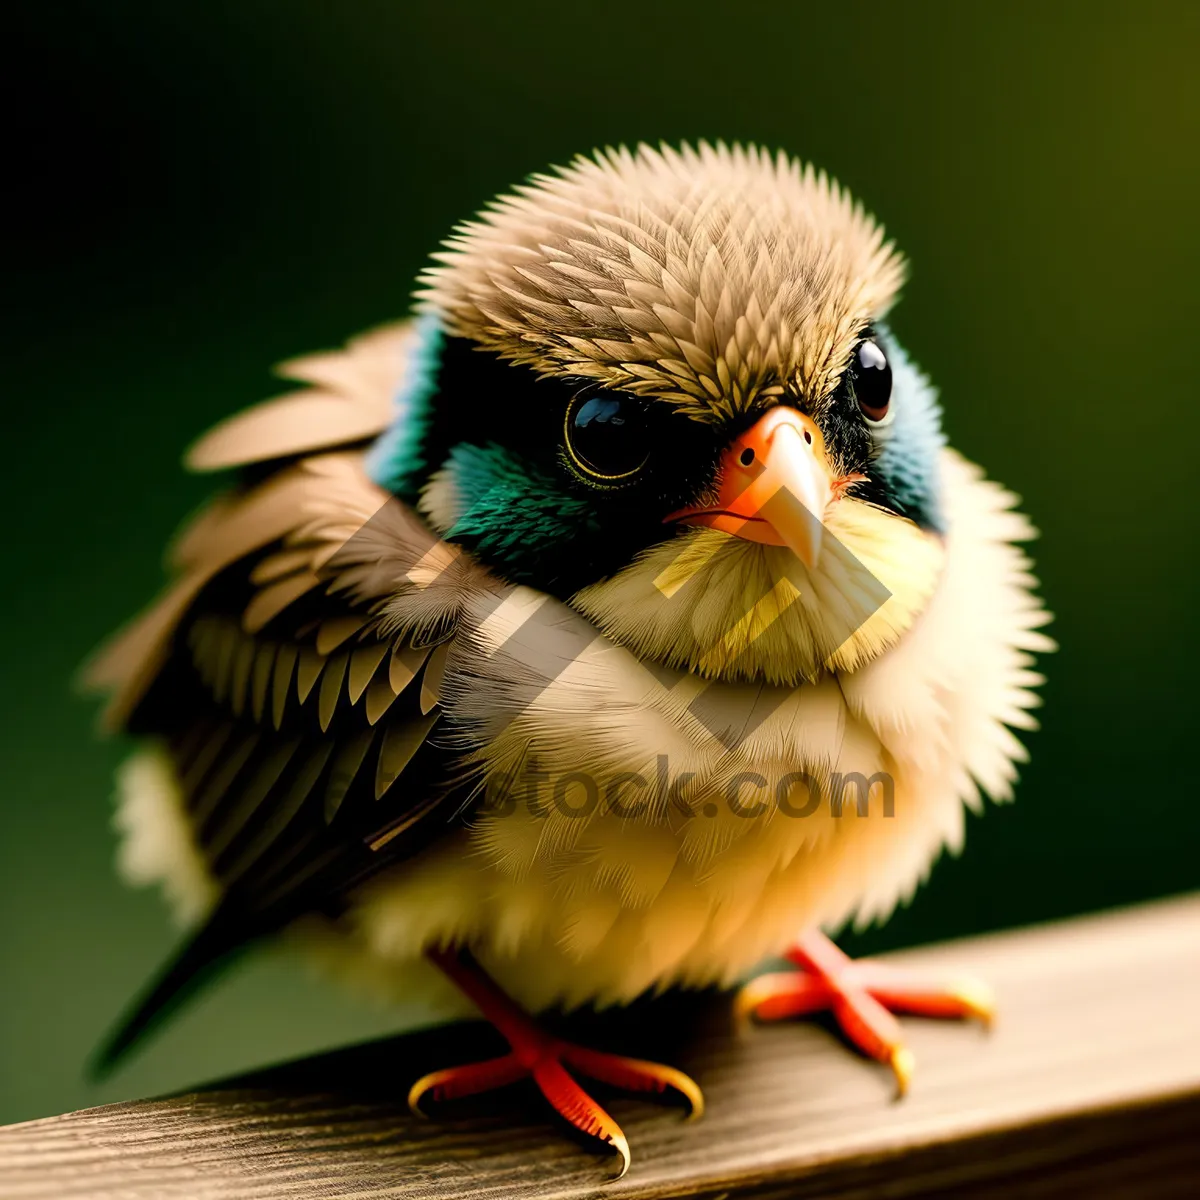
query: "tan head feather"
708, 276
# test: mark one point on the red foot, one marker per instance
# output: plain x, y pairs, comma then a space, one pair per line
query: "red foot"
862, 997
544, 1059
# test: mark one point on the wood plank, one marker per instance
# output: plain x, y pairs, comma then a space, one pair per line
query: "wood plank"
1089, 1085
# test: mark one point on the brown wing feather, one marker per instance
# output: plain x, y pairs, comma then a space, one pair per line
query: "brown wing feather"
301, 729
352, 400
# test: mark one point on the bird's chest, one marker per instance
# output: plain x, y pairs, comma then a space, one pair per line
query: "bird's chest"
594, 878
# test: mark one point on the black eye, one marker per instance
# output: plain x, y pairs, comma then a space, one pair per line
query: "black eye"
606, 435
872, 380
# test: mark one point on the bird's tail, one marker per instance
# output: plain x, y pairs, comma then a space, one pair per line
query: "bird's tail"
210, 949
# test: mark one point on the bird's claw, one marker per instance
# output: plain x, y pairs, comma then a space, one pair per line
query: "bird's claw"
453, 1083
863, 996
544, 1060
903, 1063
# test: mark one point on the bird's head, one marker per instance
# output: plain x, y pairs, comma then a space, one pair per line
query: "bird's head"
659, 385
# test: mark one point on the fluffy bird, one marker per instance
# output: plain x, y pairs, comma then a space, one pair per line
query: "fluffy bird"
618, 621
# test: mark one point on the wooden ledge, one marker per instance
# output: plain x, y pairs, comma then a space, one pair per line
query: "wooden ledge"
1089, 1085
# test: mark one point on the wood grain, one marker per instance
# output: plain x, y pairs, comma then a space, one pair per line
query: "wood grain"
1089, 1086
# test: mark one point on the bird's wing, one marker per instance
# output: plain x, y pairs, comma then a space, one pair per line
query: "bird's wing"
299, 715
351, 396
292, 673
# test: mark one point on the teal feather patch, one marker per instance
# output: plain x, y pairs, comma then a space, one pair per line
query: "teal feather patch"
395, 461
513, 513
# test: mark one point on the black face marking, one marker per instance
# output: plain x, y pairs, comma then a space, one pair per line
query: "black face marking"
609, 466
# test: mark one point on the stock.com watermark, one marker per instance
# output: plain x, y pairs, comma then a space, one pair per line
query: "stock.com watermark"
748, 794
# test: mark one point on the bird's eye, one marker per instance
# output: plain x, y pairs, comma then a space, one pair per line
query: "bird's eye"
606, 436
872, 380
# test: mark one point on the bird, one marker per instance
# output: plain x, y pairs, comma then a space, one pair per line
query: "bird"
617, 621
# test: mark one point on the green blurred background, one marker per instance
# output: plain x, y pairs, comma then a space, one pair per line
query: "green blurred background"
203, 190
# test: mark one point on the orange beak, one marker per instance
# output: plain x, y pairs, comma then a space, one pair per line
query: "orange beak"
774, 486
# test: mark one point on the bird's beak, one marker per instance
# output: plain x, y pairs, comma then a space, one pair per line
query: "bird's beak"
774, 485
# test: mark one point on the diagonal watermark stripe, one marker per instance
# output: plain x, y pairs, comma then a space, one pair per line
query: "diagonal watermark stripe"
538, 641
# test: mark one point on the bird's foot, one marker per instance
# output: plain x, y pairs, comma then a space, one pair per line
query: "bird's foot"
863, 996
544, 1058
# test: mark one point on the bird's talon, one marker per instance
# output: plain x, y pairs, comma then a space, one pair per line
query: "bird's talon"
979, 1002
688, 1089
620, 1143
415, 1093
635, 1075
902, 1062
419, 1090
452, 1083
